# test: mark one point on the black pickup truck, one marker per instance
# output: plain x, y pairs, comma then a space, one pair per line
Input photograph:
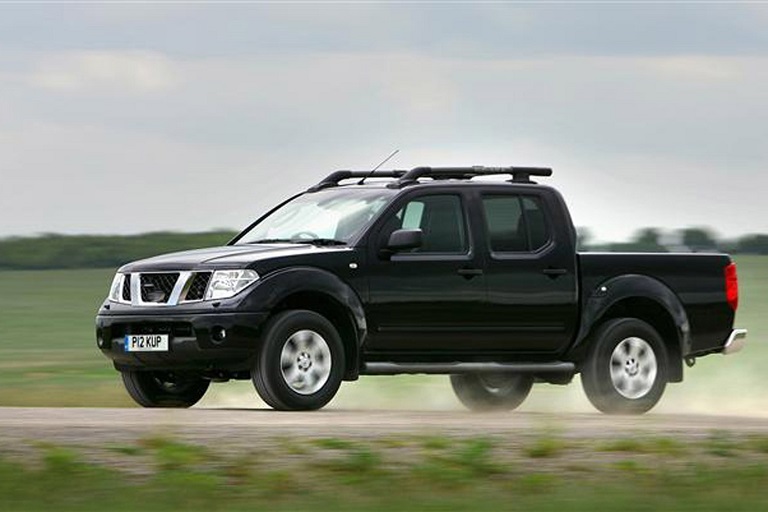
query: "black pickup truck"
422, 271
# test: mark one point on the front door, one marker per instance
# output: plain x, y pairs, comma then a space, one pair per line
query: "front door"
431, 298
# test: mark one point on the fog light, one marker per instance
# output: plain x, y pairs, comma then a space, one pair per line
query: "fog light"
218, 334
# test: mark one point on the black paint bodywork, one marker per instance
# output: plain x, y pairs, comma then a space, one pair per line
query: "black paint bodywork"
474, 307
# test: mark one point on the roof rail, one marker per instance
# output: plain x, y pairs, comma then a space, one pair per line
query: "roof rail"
404, 178
519, 174
334, 178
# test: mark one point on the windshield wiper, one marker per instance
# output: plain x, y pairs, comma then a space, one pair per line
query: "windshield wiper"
321, 241
273, 241
312, 241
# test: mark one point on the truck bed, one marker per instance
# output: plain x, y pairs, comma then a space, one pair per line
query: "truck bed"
696, 279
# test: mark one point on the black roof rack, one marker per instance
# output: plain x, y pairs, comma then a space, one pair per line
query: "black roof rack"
334, 178
404, 178
519, 174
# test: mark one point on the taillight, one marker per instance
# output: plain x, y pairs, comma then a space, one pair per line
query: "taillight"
731, 286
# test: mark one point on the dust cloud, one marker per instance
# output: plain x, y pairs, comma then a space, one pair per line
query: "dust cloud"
717, 385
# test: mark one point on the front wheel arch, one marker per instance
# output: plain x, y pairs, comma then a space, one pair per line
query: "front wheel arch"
331, 309
317, 290
268, 374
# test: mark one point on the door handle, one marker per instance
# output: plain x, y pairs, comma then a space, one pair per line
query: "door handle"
554, 272
469, 273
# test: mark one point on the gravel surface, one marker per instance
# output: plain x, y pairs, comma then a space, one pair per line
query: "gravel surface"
243, 426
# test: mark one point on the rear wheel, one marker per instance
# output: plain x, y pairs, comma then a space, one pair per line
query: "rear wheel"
626, 372
164, 389
301, 362
491, 391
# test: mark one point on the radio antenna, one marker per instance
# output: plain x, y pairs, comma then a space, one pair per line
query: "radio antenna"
377, 167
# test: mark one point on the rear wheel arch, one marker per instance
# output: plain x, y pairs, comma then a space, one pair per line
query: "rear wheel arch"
626, 371
658, 317
643, 298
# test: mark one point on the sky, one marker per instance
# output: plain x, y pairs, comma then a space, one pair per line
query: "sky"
127, 118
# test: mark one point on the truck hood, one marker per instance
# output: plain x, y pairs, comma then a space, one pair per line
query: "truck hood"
229, 256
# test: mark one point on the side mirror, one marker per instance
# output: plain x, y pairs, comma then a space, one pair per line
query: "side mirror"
405, 239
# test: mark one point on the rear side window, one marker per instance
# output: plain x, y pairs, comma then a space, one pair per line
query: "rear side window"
515, 223
538, 235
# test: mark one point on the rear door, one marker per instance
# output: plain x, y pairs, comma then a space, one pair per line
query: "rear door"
531, 271
430, 299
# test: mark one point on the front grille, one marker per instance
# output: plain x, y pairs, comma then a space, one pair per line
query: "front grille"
127, 288
197, 286
157, 288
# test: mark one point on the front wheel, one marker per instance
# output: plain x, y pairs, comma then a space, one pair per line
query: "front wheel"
626, 371
164, 389
301, 361
491, 391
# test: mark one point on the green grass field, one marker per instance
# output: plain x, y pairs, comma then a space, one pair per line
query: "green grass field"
403, 473
48, 355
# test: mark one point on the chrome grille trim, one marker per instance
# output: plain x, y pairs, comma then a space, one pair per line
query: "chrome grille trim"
177, 289
136, 290
176, 293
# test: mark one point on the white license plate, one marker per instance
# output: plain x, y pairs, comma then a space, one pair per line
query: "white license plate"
146, 343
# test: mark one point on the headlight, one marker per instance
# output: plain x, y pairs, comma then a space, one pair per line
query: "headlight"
116, 290
226, 283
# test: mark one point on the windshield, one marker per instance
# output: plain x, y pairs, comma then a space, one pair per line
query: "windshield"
331, 216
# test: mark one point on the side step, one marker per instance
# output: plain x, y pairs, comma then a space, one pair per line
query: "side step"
389, 368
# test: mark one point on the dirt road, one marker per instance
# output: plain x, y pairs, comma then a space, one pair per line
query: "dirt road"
239, 426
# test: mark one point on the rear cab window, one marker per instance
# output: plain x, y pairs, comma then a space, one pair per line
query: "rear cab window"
515, 223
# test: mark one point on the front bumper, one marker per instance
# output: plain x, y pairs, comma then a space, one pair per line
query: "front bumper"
192, 341
735, 341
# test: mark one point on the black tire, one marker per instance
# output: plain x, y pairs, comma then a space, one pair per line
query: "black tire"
272, 378
634, 387
164, 389
492, 392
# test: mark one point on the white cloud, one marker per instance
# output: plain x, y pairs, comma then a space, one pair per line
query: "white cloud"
698, 67
104, 71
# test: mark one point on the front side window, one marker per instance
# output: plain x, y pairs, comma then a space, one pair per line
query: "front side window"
441, 220
335, 215
515, 223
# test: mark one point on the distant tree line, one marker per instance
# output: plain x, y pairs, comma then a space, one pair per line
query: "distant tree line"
697, 239
98, 251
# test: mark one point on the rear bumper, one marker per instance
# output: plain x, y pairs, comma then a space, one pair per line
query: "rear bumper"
735, 341
192, 343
